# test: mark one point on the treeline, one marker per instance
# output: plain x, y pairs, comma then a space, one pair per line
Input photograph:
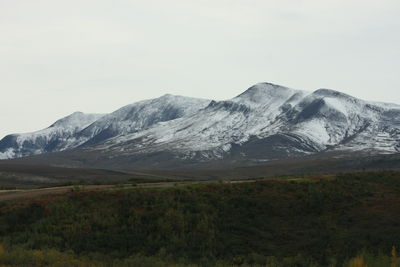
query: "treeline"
309, 221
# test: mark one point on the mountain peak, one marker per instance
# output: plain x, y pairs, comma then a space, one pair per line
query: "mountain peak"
167, 96
265, 89
264, 93
265, 86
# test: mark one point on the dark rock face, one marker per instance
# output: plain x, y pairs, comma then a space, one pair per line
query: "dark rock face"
229, 106
8, 142
274, 147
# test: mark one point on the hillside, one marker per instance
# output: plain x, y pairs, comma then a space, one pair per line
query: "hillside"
53, 138
291, 221
266, 122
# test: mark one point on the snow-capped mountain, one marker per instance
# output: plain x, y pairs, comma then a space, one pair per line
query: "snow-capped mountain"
137, 117
270, 121
81, 129
50, 139
265, 122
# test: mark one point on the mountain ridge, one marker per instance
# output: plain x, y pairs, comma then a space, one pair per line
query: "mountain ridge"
265, 122
46, 140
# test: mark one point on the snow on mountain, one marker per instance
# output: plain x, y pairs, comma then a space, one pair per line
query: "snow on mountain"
81, 129
137, 117
265, 122
334, 120
46, 140
320, 120
215, 128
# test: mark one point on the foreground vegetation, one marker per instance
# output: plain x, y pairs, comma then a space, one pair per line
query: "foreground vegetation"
24, 257
342, 220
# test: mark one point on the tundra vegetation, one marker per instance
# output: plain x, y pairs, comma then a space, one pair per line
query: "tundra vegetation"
348, 219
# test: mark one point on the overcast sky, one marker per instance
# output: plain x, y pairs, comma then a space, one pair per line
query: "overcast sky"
57, 57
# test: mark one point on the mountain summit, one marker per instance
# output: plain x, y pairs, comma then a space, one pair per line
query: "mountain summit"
265, 122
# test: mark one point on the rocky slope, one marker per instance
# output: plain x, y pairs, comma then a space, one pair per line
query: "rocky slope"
265, 122
268, 122
53, 138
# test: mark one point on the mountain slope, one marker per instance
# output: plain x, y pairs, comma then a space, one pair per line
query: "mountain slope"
83, 130
268, 122
137, 117
50, 139
264, 123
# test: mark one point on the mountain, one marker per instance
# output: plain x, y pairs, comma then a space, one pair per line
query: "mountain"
137, 117
79, 129
264, 123
53, 138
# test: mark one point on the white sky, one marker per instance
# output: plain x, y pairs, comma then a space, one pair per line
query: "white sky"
57, 57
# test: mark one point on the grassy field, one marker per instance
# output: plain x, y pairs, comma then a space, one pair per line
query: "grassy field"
14, 176
318, 220
25, 175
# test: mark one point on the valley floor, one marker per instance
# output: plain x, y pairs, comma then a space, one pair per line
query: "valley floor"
14, 194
